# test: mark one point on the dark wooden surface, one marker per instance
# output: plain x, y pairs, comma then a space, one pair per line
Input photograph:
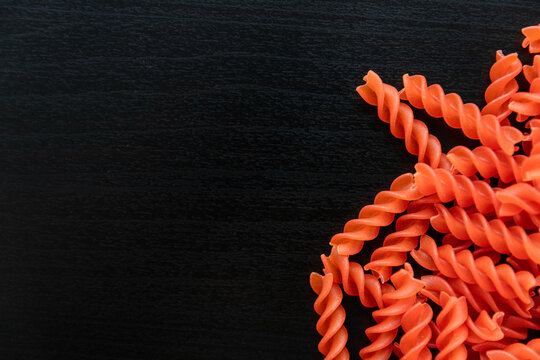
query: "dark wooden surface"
171, 171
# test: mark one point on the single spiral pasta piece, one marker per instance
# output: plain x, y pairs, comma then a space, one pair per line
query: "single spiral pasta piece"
453, 330
503, 85
517, 351
482, 271
373, 217
332, 317
355, 281
494, 233
397, 245
388, 319
450, 187
532, 38
418, 140
487, 162
417, 332
458, 115
517, 198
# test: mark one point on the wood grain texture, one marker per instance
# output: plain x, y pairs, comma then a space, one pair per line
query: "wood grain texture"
171, 171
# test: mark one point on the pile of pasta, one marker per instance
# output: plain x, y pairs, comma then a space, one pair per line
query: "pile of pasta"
481, 207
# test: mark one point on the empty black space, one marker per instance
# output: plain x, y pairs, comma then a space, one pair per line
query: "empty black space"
171, 171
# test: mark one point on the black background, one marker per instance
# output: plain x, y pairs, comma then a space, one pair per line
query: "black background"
171, 171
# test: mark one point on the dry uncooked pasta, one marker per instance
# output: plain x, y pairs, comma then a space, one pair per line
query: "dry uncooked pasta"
481, 300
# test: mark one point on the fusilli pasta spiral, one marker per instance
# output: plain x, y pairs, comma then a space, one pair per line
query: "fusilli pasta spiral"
469, 219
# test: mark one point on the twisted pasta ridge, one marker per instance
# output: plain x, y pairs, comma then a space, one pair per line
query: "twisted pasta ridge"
373, 217
482, 271
485, 328
532, 38
517, 198
397, 245
458, 115
527, 103
487, 162
493, 233
418, 140
531, 165
532, 72
434, 286
453, 330
450, 187
388, 319
417, 332
355, 281
332, 317
517, 351
504, 85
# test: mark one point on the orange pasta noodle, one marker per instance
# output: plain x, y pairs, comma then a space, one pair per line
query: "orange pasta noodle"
503, 86
330, 324
517, 351
355, 281
373, 217
485, 328
485, 205
532, 38
467, 117
450, 187
515, 327
417, 332
456, 243
477, 298
483, 251
527, 265
388, 319
493, 345
505, 239
453, 330
482, 271
532, 72
418, 140
531, 165
527, 103
486, 162
434, 286
526, 221
398, 244
517, 198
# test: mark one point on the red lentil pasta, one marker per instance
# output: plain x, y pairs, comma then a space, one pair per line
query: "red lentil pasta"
469, 218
